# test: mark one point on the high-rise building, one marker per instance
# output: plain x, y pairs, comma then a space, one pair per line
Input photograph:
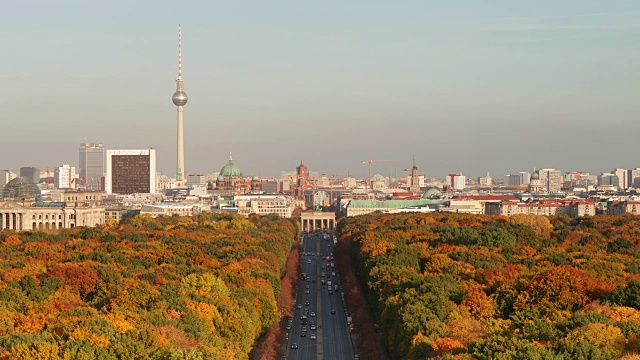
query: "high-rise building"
196, 180
552, 180
456, 181
622, 178
180, 99
65, 177
6, 176
91, 166
131, 171
609, 179
30, 173
633, 178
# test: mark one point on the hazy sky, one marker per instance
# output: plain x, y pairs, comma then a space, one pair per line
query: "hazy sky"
467, 86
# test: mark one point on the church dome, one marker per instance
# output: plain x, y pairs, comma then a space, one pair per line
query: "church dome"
535, 175
220, 178
20, 188
255, 179
230, 170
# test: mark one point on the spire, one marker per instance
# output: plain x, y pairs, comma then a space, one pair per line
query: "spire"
230, 158
179, 52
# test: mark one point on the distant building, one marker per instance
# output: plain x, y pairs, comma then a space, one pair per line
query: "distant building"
65, 177
552, 180
31, 173
545, 207
415, 180
535, 183
170, 209
196, 180
633, 178
302, 173
131, 171
264, 205
456, 181
622, 178
609, 180
485, 181
91, 166
623, 207
70, 209
6, 176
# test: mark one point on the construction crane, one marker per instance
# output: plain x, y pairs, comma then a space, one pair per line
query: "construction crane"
331, 177
370, 163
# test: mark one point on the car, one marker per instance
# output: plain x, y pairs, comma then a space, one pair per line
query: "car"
333, 273
308, 261
299, 306
305, 322
304, 329
288, 327
333, 311
356, 357
312, 327
306, 291
306, 303
313, 314
306, 286
303, 334
324, 258
294, 345
322, 281
312, 336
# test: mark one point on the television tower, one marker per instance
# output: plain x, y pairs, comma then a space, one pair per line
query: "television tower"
180, 99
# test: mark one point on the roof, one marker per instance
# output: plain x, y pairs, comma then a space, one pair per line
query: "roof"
390, 204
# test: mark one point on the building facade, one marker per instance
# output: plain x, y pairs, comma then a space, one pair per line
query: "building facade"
264, 204
31, 173
6, 176
65, 177
542, 207
456, 181
91, 166
74, 209
552, 180
131, 171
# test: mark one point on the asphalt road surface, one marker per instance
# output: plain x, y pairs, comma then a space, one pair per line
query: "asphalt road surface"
321, 307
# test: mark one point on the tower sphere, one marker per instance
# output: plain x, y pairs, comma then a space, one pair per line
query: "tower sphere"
179, 98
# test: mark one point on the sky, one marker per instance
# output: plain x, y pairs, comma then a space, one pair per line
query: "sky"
497, 86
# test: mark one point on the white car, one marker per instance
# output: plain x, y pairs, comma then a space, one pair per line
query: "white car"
312, 336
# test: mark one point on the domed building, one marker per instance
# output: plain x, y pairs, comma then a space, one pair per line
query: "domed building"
535, 184
20, 189
231, 178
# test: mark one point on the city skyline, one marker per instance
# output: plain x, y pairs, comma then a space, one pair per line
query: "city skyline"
499, 88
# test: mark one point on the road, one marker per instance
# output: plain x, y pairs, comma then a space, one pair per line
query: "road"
332, 334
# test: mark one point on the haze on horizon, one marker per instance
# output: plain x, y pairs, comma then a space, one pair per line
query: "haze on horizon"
501, 86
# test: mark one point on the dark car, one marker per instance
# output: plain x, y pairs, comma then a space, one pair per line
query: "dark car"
303, 334
333, 312
294, 345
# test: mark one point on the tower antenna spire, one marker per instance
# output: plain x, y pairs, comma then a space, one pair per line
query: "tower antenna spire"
179, 52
